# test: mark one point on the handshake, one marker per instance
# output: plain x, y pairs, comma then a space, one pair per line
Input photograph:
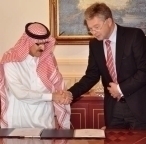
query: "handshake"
62, 97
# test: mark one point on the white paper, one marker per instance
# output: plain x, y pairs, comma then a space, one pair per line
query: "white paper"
26, 132
96, 133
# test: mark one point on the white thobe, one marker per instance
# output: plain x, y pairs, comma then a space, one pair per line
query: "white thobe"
30, 102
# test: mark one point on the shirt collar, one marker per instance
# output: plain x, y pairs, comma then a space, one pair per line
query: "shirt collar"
31, 59
113, 36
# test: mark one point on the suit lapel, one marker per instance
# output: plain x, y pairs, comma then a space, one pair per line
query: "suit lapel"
120, 46
101, 54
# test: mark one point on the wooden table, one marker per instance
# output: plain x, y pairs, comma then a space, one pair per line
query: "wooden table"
112, 137
116, 137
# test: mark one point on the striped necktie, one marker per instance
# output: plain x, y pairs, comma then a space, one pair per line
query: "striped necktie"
110, 61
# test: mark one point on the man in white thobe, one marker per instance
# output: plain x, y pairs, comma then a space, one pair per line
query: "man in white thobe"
30, 83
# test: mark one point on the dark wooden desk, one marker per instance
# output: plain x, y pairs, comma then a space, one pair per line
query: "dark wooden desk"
112, 137
125, 137
116, 137
87, 112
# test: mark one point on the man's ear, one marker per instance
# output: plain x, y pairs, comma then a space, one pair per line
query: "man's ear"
110, 22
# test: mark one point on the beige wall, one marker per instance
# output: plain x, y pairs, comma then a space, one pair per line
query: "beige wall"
14, 14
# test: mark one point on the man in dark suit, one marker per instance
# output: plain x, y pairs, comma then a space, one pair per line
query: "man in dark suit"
122, 69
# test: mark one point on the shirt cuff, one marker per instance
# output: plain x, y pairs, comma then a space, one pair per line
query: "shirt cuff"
119, 90
47, 97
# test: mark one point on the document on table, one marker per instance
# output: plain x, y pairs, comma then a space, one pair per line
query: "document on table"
26, 132
89, 133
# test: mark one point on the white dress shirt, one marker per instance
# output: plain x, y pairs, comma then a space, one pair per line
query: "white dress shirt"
30, 102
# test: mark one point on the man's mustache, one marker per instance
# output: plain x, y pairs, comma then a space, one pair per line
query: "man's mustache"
40, 50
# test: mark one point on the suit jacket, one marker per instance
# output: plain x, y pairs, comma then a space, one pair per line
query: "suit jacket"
131, 72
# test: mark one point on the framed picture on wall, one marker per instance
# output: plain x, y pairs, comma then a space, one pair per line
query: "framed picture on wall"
67, 22
67, 18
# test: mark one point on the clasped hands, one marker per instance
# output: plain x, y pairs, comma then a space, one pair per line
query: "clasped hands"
113, 90
62, 97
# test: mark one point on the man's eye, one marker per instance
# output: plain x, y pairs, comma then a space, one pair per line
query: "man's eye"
37, 44
96, 27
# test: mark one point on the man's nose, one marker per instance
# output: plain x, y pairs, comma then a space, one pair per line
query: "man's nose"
94, 32
41, 46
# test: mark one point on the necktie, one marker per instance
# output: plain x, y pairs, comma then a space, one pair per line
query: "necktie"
110, 61
110, 66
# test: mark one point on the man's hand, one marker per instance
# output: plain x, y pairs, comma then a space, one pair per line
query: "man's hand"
113, 90
67, 98
62, 97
